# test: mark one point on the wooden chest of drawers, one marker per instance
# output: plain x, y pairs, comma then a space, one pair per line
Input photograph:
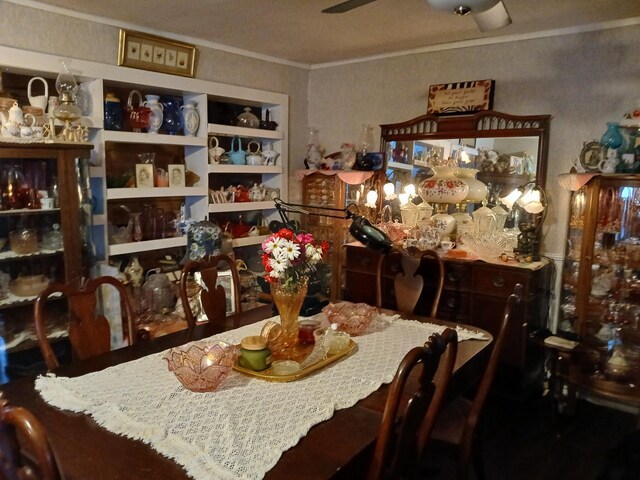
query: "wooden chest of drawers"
474, 293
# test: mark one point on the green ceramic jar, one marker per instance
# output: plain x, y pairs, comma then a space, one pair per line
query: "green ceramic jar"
254, 353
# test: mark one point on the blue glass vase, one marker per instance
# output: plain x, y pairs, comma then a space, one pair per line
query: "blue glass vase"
612, 138
172, 120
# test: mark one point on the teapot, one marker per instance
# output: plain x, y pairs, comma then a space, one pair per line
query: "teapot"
15, 118
256, 194
254, 158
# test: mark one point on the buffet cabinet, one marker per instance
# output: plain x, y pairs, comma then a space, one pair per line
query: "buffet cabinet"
45, 232
474, 293
600, 303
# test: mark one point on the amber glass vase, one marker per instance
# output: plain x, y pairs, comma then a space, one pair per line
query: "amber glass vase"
289, 299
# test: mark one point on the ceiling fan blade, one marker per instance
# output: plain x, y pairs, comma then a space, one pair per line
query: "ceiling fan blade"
492, 19
346, 6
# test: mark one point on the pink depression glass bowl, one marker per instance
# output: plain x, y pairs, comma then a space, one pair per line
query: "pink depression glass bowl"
202, 366
353, 318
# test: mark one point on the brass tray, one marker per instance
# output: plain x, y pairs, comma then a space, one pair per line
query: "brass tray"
269, 376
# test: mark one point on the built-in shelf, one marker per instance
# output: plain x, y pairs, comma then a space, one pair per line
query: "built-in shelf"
228, 168
28, 211
230, 131
147, 245
11, 255
156, 192
240, 206
251, 240
154, 138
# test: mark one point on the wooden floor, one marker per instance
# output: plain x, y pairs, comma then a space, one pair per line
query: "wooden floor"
526, 441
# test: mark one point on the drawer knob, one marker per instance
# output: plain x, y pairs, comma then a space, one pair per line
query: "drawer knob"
452, 277
498, 282
451, 302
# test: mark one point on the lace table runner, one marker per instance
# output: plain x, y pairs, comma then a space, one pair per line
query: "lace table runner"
241, 429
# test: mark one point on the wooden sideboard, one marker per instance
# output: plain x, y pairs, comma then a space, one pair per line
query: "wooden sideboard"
474, 293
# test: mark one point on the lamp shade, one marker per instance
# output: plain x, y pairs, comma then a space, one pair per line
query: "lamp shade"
492, 19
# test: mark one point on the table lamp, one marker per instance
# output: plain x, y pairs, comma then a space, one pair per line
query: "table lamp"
529, 204
361, 229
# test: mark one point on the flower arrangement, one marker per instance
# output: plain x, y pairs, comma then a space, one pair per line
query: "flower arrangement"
289, 257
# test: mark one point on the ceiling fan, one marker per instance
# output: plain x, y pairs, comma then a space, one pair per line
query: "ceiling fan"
488, 14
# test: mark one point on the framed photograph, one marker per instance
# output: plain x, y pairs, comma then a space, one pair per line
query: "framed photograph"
176, 175
149, 52
144, 175
463, 97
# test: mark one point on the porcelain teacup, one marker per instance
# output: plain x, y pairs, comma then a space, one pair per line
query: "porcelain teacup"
447, 245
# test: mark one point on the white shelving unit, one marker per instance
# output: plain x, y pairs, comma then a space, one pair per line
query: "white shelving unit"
97, 79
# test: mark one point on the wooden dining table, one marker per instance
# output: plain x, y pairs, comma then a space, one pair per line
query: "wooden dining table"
336, 448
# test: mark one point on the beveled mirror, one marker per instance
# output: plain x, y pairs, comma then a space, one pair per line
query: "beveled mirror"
507, 150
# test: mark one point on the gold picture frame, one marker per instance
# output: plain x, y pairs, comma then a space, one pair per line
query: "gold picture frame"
149, 52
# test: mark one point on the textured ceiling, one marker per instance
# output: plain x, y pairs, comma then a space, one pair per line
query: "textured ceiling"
297, 31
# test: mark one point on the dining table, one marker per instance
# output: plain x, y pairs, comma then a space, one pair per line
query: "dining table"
101, 426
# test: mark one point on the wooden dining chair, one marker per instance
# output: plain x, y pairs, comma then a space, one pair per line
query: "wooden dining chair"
407, 283
404, 434
36, 460
457, 425
89, 330
212, 298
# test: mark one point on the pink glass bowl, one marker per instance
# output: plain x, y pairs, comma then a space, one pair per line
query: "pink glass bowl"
353, 318
202, 366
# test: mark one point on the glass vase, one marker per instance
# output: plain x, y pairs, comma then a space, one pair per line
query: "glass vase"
612, 138
289, 300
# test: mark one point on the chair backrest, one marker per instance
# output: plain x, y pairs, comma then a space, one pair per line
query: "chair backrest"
407, 283
89, 330
15, 464
213, 298
404, 435
471, 423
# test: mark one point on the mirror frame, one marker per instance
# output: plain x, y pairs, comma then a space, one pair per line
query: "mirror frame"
484, 124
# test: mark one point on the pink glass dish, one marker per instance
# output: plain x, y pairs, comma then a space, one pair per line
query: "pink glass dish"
353, 318
202, 366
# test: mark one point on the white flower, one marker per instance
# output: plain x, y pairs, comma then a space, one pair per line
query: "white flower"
278, 266
271, 244
291, 249
314, 254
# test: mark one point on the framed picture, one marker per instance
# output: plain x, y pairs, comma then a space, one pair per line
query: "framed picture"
176, 175
463, 97
149, 52
144, 175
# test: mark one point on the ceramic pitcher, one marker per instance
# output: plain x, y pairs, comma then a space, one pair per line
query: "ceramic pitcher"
190, 119
156, 117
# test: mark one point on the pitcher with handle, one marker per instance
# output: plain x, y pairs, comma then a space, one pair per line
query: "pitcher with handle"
38, 100
155, 118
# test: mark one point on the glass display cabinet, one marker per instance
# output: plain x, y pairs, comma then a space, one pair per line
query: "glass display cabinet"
45, 237
600, 301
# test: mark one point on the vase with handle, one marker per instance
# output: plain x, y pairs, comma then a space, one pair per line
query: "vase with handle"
156, 116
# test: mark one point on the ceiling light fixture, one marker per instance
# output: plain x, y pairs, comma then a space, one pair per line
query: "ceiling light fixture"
488, 14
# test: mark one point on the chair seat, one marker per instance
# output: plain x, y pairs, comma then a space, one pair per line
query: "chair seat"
451, 421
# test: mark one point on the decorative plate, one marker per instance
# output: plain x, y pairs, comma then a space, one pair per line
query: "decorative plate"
591, 155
